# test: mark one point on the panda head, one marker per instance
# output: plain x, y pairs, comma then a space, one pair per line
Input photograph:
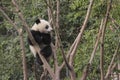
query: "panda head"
42, 25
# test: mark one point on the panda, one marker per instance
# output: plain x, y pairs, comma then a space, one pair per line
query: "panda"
41, 33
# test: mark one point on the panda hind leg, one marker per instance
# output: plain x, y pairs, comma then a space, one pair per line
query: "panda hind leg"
38, 60
46, 51
38, 67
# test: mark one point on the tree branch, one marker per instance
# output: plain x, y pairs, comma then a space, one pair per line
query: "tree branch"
6, 16
72, 54
102, 40
46, 65
112, 62
96, 43
58, 36
114, 22
85, 72
21, 43
23, 54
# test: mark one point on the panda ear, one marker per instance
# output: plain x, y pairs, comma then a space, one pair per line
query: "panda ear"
37, 21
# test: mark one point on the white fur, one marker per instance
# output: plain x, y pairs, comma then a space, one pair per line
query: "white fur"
41, 26
33, 50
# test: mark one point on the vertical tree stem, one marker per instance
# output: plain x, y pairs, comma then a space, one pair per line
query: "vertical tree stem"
102, 41
23, 54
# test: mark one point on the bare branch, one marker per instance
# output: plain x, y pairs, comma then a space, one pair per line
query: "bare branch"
96, 43
72, 51
81, 32
112, 62
95, 47
68, 55
56, 27
46, 65
23, 54
114, 22
52, 20
72, 54
57, 13
23, 21
56, 23
85, 72
21, 42
58, 35
11, 22
102, 40
49, 10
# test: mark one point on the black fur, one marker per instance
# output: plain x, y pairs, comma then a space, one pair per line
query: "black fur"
42, 38
46, 52
38, 60
37, 21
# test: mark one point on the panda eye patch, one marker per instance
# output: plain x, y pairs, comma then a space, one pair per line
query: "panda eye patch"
46, 27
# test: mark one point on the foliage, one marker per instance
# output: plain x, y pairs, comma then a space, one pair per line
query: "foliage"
72, 14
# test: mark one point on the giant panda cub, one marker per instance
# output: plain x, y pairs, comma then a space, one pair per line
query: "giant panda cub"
41, 33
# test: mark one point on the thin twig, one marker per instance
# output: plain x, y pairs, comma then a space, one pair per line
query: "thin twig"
112, 61
81, 32
114, 22
6, 16
96, 43
85, 72
72, 54
50, 18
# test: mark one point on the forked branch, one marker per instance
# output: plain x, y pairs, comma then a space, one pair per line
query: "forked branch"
21, 43
112, 62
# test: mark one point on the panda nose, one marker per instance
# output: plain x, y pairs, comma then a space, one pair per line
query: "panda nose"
51, 29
